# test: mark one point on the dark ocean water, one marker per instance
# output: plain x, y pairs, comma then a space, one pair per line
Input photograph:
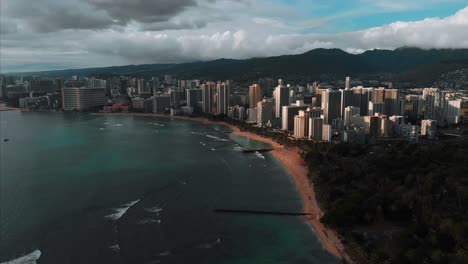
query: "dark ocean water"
79, 188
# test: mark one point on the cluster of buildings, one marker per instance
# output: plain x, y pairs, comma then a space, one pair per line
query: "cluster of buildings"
351, 115
313, 112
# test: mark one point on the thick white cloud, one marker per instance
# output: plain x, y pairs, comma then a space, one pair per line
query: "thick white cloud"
213, 30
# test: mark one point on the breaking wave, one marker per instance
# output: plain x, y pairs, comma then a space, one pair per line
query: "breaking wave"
119, 212
238, 148
31, 258
259, 155
115, 248
154, 210
148, 221
217, 138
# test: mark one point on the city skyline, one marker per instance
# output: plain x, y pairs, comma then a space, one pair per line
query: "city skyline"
91, 33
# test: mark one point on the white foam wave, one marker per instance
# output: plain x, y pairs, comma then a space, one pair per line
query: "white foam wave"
154, 210
148, 221
238, 148
157, 124
217, 138
101, 128
259, 155
119, 212
197, 133
31, 258
115, 248
212, 149
203, 144
118, 125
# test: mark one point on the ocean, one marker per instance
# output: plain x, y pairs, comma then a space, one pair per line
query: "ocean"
82, 188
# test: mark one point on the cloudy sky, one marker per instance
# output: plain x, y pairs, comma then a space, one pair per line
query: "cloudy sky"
61, 34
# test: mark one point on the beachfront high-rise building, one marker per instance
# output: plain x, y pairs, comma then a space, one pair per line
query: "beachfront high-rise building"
182, 85
193, 98
268, 85
281, 99
315, 128
264, 112
300, 125
96, 83
375, 108
417, 107
331, 105
82, 98
288, 113
385, 126
434, 105
396, 123
140, 86
252, 115
429, 128
161, 103
347, 99
43, 86
392, 102
223, 91
379, 95
255, 95
176, 97
362, 97
237, 113
372, 126
348, 83
327, 133
350, 111
208, 93
453, 111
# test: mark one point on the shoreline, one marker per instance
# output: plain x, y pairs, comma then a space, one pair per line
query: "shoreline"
295, 165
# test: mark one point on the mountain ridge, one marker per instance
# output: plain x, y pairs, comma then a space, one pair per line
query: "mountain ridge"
317, 63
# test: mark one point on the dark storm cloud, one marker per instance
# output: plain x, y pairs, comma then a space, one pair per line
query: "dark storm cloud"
145, 11
167, 25
51, 15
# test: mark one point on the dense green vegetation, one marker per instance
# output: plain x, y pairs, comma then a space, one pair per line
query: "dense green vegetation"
421, 66
395, 203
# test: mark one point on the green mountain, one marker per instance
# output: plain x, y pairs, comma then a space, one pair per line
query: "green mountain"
411, 63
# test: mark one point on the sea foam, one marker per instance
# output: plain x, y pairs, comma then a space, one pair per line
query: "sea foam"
217, 138
154, 210
148, 221
238, 148
119, 212
115, 248
259, 155
31, 258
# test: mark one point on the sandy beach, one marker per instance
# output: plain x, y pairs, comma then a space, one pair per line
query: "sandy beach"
297, 168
